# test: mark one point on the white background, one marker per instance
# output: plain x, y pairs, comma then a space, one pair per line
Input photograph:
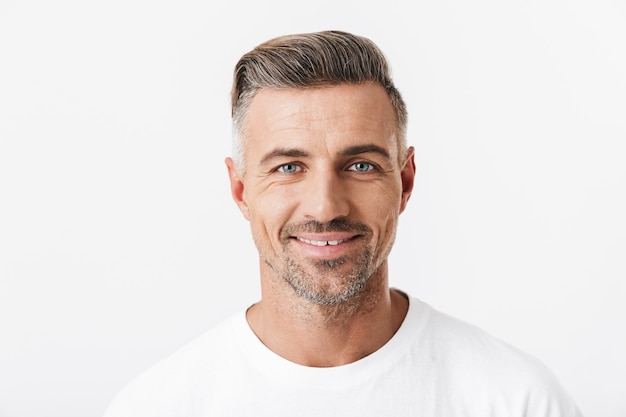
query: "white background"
119, 241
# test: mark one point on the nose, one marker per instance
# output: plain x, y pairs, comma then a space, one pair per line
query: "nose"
325, 198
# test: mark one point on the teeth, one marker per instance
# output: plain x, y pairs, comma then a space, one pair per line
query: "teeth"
321, 242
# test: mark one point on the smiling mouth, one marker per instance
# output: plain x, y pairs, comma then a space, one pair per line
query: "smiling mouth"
322, 242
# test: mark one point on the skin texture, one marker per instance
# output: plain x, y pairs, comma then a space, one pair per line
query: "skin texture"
323, 189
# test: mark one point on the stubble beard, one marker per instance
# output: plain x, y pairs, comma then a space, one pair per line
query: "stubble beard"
326, 282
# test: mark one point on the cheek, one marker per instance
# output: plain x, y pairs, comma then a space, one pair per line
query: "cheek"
383, 211
385, 202
269, 212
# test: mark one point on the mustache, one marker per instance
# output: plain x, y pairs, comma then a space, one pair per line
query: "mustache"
313, 226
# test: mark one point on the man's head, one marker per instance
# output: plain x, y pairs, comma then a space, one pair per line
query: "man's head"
322, 171
308, 61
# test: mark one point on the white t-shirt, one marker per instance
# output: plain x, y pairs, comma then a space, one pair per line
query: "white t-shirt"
434, 366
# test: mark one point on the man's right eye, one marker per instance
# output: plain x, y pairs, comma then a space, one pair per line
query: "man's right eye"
289, 168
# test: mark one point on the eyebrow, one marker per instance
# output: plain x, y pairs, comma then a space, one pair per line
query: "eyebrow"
282, 152
359, 149
299, 153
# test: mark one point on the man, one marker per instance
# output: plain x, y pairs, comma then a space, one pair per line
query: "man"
322, 171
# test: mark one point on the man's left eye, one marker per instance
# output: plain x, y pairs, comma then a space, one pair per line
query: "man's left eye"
361, 167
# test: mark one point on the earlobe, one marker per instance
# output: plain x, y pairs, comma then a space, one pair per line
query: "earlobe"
408, 177
237, 188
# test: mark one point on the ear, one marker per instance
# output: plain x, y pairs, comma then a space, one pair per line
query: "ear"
408, 177
236, 188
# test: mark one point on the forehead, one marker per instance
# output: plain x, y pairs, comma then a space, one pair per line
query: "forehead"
326, 116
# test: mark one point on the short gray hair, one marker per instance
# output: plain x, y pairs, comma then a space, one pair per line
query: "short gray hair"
310, 60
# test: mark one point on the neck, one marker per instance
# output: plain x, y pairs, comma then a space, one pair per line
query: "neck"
327, 335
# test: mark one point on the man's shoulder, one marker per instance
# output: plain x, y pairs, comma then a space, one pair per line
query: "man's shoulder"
454, 340
180, 373
476, 364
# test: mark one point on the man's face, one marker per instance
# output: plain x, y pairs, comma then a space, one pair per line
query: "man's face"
323, 187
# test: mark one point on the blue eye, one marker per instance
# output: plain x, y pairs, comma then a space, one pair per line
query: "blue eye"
289, 168
361, 167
